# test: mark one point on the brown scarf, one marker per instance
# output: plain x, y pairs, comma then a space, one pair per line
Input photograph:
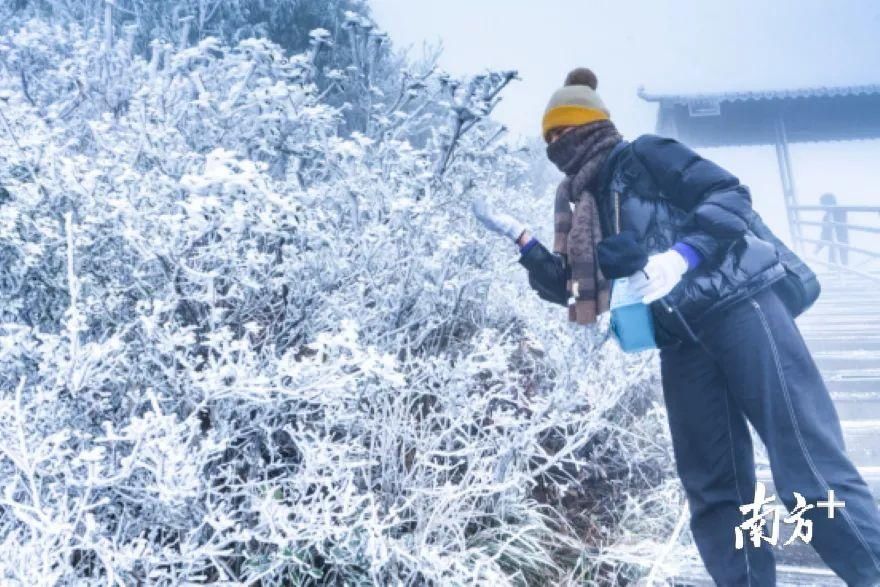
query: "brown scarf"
579, 154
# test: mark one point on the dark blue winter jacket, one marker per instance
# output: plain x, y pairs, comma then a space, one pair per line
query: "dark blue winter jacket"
666, 194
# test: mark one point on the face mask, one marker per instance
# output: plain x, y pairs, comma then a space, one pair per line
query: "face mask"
562, 151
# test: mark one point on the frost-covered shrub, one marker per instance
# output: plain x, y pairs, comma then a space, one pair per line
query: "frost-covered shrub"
240, 345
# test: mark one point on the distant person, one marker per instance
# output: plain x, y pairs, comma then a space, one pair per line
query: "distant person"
835, 234
730, 352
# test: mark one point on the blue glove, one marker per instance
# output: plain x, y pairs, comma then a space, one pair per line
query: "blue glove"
620, 255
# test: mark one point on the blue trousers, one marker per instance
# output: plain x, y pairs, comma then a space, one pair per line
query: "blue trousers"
752, 364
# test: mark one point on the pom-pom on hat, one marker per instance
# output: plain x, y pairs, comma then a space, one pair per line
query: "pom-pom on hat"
575, 103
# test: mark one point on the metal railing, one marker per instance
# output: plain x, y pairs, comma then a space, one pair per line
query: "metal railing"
834, 240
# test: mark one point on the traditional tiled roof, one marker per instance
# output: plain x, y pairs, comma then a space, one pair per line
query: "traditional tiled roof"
737, 96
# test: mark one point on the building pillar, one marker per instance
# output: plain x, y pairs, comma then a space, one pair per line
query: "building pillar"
783, 158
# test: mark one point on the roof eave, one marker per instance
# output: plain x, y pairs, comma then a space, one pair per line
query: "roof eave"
819, 92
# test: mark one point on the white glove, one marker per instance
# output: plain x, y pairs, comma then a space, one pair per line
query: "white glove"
503, 224
659, 277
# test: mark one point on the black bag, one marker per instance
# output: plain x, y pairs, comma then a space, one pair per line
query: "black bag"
800, 287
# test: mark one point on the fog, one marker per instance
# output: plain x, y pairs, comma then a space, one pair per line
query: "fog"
675, 47
257, 327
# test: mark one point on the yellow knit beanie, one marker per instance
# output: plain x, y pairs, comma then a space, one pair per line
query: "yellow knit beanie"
575, 103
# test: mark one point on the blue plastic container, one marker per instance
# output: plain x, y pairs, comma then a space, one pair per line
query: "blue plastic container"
631, 320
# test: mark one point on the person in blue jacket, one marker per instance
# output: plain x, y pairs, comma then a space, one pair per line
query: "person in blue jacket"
683, 230
835, 233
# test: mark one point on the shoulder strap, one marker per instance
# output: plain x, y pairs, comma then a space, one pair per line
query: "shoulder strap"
611, 162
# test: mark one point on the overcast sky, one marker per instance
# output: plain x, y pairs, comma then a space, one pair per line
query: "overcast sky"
667, 45
664, 44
